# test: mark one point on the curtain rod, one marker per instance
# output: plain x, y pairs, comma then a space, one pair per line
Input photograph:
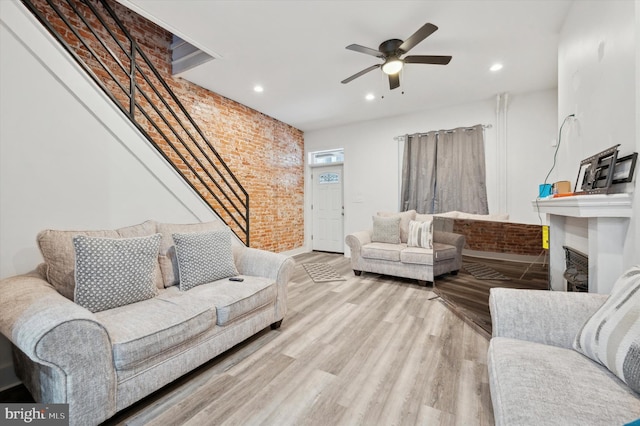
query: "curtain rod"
401, 137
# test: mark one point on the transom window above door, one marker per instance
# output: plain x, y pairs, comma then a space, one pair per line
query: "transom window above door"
333, 156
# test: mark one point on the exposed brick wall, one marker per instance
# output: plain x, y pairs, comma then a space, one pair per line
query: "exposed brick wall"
500, 237
266, 155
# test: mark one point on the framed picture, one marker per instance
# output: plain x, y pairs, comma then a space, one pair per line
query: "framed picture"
624, 168
582, 176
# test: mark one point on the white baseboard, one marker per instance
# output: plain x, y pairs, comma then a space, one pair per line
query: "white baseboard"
295, 251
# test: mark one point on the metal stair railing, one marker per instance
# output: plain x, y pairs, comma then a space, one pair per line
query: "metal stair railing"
105, 49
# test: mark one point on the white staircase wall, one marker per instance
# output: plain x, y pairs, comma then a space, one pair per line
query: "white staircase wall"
69, 158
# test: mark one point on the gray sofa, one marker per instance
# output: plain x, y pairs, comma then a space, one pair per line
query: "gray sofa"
535, 375
400, 259
102, 362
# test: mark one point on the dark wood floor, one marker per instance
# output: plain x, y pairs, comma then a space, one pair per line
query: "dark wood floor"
469, 297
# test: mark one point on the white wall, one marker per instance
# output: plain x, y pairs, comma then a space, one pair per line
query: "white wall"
372, 163
68, 158
599, 81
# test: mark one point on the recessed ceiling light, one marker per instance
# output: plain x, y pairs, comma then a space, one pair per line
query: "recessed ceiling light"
496, 67
370, 96
258, 89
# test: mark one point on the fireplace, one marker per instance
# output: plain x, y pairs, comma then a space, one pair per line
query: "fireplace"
599, 224
576, 269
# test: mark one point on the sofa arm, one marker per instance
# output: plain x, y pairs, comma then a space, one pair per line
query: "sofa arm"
65, 354
263, 263
549, 317
356, 240
456, 240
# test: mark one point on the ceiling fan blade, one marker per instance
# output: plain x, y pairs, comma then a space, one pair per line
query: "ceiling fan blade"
427, 59
366, 50
394, 81
363, 72
425, 31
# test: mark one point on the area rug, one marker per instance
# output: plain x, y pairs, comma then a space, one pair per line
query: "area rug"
322, 272
484, 272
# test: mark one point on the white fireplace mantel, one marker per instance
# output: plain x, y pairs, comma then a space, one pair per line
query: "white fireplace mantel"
606, 217
597, 205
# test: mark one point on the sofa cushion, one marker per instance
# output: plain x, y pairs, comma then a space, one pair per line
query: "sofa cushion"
423, 256
59, 255
146, 329
417, 255
204, 257
233, 300
112, 272
612, 335
537, 384
167, 256
386, 230
405, 218
383, 251
444, 252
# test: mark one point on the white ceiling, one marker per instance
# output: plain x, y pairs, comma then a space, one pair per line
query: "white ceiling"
296, 51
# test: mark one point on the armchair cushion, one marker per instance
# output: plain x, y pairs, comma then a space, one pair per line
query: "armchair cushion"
611, 336
112, 272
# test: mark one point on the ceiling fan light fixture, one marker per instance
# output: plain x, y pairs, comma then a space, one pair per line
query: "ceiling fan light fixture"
392, 66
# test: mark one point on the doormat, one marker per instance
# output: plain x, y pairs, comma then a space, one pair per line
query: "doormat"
322, 272
484, 272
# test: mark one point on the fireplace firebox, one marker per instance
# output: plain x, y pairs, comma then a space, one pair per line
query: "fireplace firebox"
577, 270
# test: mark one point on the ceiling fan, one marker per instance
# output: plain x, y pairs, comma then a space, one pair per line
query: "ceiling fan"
392, 50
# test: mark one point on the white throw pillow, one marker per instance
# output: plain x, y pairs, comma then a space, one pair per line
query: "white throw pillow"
420, 234
611, 336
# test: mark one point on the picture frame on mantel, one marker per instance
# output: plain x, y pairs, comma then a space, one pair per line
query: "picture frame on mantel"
595, 175
624, 169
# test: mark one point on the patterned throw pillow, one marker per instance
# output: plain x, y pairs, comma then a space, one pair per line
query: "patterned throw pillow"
405, 218
611, 336
420, 234
112, 272
386, 230
204, 257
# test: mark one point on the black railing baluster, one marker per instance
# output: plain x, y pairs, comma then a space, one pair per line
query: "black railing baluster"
217, 179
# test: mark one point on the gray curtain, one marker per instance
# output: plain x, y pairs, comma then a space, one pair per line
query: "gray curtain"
418, 172
444, 171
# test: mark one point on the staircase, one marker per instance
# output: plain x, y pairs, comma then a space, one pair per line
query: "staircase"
93, 34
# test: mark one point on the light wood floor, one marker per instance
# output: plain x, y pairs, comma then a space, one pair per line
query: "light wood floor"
365, 351
369, 350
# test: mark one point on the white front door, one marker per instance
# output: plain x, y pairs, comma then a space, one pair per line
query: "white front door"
327, 209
